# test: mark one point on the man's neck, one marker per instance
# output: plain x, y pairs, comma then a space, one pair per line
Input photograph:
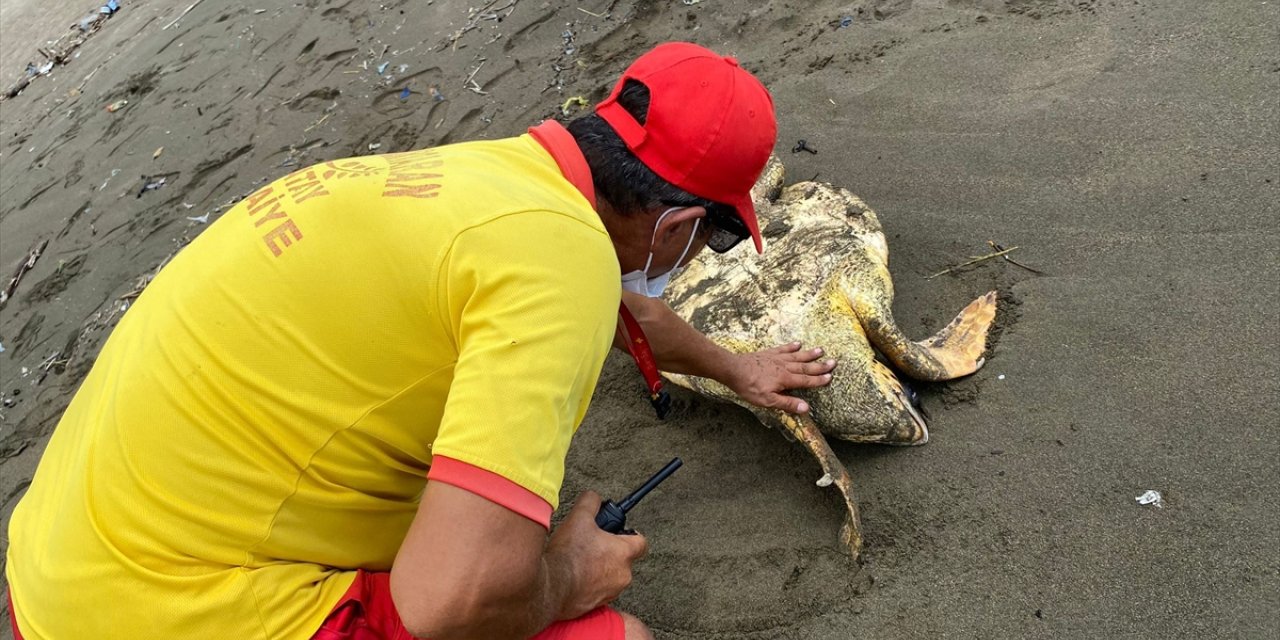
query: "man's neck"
631, 235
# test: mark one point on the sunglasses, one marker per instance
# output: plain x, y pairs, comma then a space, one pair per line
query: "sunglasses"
727, 229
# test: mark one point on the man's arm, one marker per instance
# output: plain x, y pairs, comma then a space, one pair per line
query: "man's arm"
470, 568
761, 378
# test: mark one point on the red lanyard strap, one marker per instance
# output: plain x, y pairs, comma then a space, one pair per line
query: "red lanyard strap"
643, 355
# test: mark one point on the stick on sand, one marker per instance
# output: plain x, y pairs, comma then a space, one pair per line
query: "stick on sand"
973, 261
27, 265
997, 247
182, 15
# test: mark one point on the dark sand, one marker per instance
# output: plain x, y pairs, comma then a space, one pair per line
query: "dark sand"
1131, 149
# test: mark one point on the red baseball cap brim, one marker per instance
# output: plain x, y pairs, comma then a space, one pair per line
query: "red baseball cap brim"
746, 209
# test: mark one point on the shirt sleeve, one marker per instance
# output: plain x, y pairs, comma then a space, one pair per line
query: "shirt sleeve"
533, 299
491, 487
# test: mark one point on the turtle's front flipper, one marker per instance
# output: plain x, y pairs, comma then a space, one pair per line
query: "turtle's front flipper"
804, 429
769, 184
954, 351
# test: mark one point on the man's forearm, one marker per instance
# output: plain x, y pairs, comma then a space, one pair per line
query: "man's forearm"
501, 580
545, 604
555, 580
520, 614
677, 346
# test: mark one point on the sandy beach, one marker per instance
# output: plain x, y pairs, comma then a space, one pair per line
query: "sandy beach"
1129, 149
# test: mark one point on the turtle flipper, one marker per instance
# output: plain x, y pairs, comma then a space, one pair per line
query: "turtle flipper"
804, 429
953, 352
962, 342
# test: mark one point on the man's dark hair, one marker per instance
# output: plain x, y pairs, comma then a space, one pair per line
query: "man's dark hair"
621, 178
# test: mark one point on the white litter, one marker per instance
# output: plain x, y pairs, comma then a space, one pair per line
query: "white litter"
201, 219
1000, 377
1151, 497
1, 347
825, 480
114, 173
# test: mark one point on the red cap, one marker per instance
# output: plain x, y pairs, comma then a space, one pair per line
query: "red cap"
710, 126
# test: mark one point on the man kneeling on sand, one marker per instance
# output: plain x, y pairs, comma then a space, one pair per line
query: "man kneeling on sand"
343, 411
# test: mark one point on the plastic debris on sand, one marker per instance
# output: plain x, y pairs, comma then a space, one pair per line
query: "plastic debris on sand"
1151, 497
152, 183
575, 101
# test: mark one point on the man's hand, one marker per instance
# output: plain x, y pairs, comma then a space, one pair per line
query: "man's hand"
763, 377
597, 562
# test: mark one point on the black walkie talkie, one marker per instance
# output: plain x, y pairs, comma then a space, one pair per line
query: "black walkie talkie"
612, 516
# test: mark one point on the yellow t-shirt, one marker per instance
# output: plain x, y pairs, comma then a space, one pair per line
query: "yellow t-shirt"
262, 420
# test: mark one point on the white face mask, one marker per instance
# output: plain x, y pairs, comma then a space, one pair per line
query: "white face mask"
640, 282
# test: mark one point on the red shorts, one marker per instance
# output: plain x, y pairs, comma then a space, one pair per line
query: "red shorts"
13, 620
366, 612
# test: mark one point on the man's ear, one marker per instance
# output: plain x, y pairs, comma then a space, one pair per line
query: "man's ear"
674, 224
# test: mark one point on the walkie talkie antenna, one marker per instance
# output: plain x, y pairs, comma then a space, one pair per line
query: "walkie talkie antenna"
631, 500
612, 516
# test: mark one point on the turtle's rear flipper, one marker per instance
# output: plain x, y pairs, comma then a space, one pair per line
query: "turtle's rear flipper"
954, 351
965, 338
804, 429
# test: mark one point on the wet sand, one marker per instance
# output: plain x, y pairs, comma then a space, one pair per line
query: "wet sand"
1130, 149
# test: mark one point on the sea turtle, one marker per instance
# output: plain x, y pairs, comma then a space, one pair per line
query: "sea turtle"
824, 281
